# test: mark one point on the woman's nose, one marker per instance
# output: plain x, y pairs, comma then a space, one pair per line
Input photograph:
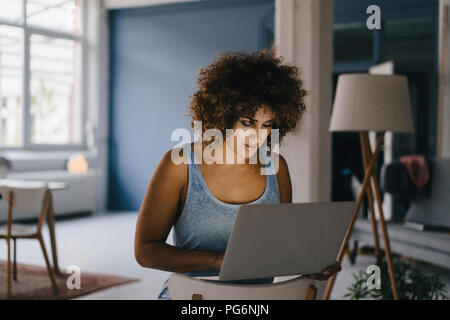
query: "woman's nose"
262, 134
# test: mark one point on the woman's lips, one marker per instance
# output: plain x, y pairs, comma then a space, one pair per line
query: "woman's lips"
250, 147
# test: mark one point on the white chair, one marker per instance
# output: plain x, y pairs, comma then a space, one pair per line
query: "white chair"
182, 287
5, 165
24, 196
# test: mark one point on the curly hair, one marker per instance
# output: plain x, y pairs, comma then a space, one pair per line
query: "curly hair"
238, 83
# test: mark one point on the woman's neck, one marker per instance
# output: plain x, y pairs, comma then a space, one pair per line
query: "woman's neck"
214, 153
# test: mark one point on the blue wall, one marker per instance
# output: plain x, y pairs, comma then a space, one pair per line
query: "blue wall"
155, 55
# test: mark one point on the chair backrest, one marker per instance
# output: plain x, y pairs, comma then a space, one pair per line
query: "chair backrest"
5, 165
26, 196
183, 287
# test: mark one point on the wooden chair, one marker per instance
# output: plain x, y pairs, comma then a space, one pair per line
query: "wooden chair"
182, 287
25, 196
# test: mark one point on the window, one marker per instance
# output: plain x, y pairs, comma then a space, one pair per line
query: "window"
352, 42
41, 48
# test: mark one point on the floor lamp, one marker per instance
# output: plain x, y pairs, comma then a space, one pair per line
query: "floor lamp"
368, 102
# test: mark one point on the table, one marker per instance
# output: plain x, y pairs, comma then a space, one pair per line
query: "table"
53, 186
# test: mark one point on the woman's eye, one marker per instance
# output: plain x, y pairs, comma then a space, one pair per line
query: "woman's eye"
246, 123
268, 125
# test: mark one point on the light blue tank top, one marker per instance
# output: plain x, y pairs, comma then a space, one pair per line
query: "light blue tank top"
206, 222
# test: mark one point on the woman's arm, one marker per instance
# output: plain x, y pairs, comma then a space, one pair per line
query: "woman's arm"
157, 216
284, 181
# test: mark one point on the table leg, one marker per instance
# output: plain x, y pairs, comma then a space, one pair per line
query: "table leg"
51, 228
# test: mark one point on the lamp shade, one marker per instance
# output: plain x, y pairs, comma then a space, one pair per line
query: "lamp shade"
376, 102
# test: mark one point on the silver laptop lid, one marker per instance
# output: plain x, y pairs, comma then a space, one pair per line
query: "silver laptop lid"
285, 239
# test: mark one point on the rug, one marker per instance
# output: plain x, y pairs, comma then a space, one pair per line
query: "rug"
33, 283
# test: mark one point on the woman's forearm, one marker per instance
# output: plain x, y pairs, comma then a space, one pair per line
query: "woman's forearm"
166, 257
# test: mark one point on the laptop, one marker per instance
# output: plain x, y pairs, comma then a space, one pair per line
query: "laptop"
270, 240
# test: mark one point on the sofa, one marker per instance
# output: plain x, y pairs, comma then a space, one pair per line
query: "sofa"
429, 206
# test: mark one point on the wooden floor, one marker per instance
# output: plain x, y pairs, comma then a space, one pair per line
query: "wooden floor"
104, 244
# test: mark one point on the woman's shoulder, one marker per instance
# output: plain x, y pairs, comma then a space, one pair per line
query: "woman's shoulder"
283, 178
279, 162
172, 166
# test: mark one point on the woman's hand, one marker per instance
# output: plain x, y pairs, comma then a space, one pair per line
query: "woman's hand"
326, 273
218, 260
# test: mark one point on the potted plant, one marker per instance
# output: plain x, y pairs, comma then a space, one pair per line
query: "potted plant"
412, 284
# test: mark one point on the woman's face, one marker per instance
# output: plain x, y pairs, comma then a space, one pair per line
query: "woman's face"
251, 132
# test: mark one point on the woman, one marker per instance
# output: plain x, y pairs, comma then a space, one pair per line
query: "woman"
200, 199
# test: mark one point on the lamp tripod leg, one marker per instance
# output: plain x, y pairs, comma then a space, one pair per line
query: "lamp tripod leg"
384, 232
364, 184
365, 156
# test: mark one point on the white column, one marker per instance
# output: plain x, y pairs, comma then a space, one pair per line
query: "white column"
443, 134
304, 37
96, 84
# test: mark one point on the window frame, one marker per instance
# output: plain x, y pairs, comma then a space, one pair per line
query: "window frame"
28, 32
